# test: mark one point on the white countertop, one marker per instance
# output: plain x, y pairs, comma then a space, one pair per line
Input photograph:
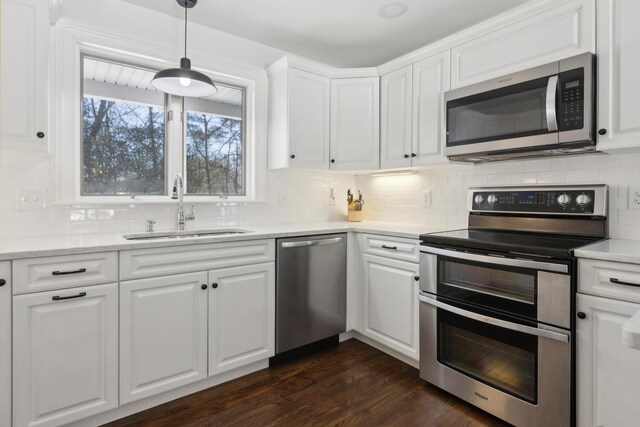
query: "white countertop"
31, 247
619, 250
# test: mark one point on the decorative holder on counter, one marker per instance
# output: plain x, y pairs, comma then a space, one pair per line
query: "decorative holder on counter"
354, 207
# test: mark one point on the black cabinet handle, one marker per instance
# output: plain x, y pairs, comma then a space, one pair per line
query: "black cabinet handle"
416, 278
406, 156
293, 156
602, 131
60, 273
333, 160
3, 282
203, 287
59, 298
389, 247
413, 154
581, 315
214, 285
40, 135
620, 282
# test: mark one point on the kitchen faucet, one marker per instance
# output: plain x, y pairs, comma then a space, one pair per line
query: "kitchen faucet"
178, 190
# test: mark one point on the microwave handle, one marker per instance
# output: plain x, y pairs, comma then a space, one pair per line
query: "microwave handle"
552, 120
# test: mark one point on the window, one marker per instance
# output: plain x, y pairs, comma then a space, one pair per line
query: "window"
127, 136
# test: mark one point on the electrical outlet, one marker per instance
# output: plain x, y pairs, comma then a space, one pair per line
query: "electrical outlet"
30, 199
634, 197
282, 198
426, 199
332, 196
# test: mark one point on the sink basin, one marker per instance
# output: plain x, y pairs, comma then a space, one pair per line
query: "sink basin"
186, 233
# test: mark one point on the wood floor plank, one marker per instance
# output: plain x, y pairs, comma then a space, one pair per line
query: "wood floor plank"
351, 384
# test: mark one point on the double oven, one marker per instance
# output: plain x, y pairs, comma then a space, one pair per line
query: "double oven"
497, 301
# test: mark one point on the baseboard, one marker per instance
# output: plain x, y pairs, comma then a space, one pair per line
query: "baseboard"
391, 352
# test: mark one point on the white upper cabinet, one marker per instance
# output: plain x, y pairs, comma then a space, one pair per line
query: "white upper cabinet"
546, 36
396, 97
24, 66
355, 119
298, 120
430, 81
618, 71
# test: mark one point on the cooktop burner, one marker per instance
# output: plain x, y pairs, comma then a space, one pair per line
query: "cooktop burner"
514, 243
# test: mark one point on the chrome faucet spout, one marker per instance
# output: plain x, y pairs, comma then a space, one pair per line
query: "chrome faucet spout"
178, 193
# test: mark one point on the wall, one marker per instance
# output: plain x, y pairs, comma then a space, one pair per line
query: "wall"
399, 198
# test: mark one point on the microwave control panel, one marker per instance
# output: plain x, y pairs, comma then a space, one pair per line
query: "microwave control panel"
571, 100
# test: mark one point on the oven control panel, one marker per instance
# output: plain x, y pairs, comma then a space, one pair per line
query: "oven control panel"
574, 200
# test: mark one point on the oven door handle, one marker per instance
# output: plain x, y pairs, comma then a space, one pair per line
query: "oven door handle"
497, 322
487, 259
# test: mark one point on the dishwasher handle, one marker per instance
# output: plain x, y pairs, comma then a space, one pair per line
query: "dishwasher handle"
306, 243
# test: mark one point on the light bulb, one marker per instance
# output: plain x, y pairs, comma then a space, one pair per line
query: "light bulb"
185, 81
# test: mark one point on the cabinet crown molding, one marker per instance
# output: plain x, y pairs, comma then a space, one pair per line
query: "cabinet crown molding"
320, 69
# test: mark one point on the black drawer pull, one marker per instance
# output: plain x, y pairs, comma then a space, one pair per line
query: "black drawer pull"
60, 273
389, 247
59, 298
620, 282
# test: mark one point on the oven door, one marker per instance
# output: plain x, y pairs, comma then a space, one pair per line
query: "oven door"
517, 372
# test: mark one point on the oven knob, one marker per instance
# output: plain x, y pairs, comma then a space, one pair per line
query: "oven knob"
564, 199
479, 199
492, 198
583, 200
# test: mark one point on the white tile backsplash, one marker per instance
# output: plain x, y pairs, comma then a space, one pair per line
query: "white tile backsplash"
448, 207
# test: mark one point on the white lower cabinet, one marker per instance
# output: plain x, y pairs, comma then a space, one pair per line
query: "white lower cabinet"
65, 354
241, 316
390, 303
608, 372
163, 334
5, 343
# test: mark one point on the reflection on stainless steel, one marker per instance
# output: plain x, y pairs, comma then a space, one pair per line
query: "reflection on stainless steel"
186, 234
311, 280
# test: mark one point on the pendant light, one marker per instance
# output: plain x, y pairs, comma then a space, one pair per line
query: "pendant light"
184, 81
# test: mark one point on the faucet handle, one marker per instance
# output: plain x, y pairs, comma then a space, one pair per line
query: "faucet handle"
150, 224
191, 215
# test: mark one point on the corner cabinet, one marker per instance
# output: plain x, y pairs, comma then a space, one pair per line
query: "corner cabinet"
24, 70
608, 372
163, 334
355, 120
65, 355
298, 119
618, 71
412, 113
5, 343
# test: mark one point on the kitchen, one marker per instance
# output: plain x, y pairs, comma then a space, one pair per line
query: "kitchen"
317, 120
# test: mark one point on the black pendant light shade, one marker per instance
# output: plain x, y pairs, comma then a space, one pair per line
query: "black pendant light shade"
184, 81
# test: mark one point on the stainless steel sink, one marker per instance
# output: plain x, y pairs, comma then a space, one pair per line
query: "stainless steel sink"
186, 233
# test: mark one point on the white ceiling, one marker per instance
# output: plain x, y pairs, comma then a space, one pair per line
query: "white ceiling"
343, 33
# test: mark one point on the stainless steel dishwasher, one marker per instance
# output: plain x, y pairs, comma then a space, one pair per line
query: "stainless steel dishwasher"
311, 286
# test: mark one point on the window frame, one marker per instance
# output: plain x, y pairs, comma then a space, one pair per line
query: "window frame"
74, 44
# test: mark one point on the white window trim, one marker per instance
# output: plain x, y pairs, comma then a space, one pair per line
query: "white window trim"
71, 43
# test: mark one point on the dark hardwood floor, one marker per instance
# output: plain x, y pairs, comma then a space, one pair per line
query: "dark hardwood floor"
349, 384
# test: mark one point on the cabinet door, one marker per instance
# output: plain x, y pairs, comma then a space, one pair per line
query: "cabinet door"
355, 119
163, 334
549, 35
395, 118
390, 307
308, 120
430, 81
618, 71
24, 65
65, 353
608, 372
241, 316
5, 343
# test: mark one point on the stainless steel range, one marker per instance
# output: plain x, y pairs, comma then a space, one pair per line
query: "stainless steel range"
497, 300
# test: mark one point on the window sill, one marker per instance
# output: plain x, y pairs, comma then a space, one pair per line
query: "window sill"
156, 200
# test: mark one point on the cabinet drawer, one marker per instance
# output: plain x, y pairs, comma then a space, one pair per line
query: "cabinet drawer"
392, 247
609, 279
67, 271
140, 263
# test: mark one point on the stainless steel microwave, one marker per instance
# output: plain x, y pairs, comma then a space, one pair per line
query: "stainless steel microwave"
547, 110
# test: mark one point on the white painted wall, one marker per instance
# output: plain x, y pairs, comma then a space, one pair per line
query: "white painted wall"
399, 198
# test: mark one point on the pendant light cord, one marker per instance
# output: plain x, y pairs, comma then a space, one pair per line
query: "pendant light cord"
185, 30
